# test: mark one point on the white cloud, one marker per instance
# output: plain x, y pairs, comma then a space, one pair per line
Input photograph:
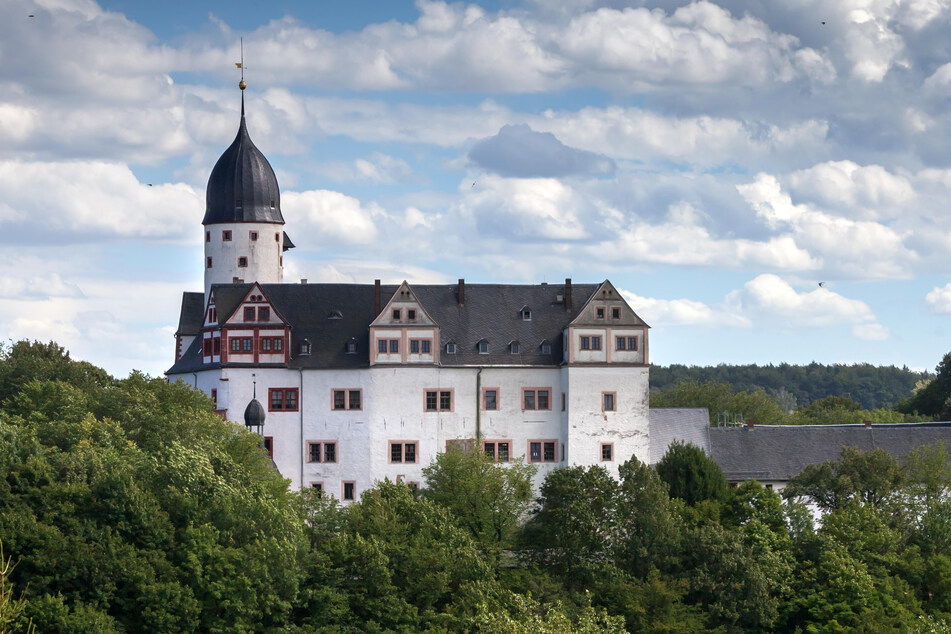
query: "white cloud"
680, 312
939, 299
866, 192
328, 218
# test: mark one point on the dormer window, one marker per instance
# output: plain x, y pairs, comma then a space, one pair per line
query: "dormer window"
335, 314
546, 347
352, 346
526, 314
450, 348
483, 347
272, 204
305, 348
514, 347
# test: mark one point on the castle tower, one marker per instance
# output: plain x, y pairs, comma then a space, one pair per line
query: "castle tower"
244, 228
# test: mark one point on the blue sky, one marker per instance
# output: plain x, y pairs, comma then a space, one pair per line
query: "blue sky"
715, 161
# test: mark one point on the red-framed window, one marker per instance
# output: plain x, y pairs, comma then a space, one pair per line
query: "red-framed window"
206, 347
282, 399
322, 451
249, 313
436, 400
226, 236
498, 450
207, 236
264, 313
403, 451
346, 399
536, 398
490, 399
542, 450
216, 348
269, 446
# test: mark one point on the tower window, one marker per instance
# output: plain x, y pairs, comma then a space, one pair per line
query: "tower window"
207, 236
277, 237
242, 261
238, 203
272, 204
226, 236
208, 261
254, 236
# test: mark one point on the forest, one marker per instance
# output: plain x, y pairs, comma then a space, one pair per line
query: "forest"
128, 505
792, 386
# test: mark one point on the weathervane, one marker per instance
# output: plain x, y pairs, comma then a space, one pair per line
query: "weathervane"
241, 84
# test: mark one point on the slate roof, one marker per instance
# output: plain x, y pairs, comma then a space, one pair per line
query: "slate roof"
193, 310
686, 424
779, 452
491, 311
242, 174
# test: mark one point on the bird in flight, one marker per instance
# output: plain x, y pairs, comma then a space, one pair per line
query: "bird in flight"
822, 284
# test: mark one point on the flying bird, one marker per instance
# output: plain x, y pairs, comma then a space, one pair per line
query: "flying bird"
31, 16
822, 284
473, 183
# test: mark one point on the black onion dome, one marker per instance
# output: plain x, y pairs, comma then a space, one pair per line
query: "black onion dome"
242, 186
254, 414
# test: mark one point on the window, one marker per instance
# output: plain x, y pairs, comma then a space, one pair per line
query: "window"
352, 346
607, 452
438, 400
414, 346
620, 343
388, 345
615, 313
608, 401
450, 348
534, 398
426, 346
305, 347
632, 343
526, 314
600, 312
318, 488
208, 261
253, 235
264, 314
265, 345
483, 347
417, 346
249, 313
564, 400
459, 444
595, 343
394, 346
214, 396
498, 450
277, 236
411, 314
226, 236
247, 344
206, 347
541, 450
515, 347
490, 398
349, 491
216, 349
207, 236
396, 314
381, 346
546, 348
403, 452
269, 446
347, 399
322, 452
278, 344
242, 262
586, 343
235, 344
283, 399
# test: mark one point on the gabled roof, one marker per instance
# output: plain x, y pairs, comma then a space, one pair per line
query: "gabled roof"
490, 311
607, 293
779, 452
686, 424
191, 317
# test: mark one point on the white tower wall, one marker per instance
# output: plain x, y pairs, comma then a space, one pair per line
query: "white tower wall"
263, 255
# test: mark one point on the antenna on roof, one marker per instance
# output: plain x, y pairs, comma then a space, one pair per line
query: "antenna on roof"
241, 84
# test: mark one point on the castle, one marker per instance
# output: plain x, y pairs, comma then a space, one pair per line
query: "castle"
352, 383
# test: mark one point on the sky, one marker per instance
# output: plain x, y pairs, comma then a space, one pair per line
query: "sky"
766, 182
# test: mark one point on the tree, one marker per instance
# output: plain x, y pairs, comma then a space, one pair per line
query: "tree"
934, 398
871, 477
719, 398
487, 498
691, 475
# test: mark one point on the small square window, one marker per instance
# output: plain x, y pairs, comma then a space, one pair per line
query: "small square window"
483, 347
248, 313
600, 312
264, 314
615, 313
226, 236
411, 314
242, 261
349, 491
253, 235
450, 348
396, 314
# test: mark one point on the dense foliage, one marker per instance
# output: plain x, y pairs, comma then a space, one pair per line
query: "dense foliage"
791, 386
127, 505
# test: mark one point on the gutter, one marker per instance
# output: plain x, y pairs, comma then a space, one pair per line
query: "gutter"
478, 401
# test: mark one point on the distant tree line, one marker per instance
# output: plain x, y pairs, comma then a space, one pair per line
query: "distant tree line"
792, 386
127, 505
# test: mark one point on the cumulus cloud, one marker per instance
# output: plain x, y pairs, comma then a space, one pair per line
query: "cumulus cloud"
378, 168
939, 299
519, 151
768, 300
328, 218
863, 191
680, 312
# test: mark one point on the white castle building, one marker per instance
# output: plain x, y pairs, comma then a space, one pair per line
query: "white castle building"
360, 382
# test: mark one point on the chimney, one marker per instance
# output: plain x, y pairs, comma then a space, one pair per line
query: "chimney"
462, 291
303, 280
568, 294
749, 423
868, 424
377, 298
237, 280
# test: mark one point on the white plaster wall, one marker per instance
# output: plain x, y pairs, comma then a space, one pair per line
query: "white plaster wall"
589, 356
588, 426
264, 254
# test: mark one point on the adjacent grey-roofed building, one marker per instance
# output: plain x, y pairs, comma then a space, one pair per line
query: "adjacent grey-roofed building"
686, 424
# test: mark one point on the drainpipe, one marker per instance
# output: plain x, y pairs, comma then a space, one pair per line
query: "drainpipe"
195, 374
479, 404
300, 411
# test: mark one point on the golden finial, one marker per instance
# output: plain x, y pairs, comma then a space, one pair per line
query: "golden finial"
241, 84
